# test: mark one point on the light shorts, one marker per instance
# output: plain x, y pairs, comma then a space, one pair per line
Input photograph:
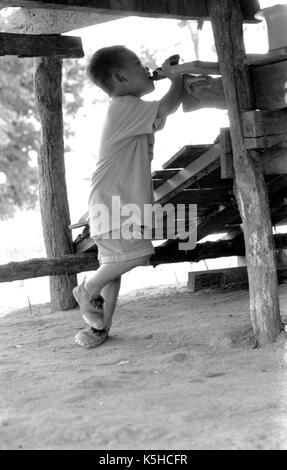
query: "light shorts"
116, 250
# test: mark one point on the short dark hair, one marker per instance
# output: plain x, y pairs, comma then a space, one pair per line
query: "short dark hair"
103, 63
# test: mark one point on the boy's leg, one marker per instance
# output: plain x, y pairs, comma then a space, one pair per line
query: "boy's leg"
109, 272
91, 289
110, 293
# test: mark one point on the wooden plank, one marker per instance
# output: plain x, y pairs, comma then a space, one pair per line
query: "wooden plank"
164, 174
268, 83
52, 183
189, 9
211, 180
160, 176
184, 177
204, 197
276, 55
226, 158
51, 21
216, 222
206, 93
251, 191
264, 123
185, 156
275, 161
196, 67
29, 45
265, 142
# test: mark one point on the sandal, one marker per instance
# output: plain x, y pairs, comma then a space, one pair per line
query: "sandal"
91, 307
91, 338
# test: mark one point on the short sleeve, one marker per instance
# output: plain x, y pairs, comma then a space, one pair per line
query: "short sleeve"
136, 117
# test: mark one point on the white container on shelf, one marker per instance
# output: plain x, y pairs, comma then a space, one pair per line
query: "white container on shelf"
276, 22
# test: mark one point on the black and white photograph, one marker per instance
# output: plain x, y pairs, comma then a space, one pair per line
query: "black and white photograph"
143, 227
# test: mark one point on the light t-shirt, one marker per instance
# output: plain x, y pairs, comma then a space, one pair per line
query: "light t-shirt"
123, 171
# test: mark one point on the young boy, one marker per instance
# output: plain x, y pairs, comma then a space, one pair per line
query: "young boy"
122, 176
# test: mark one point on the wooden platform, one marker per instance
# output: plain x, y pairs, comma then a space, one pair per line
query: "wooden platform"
194, 176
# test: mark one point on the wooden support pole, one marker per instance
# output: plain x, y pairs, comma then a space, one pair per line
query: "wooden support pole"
250, 188
52, 183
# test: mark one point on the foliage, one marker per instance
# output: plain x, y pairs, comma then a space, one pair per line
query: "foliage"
20, 127
19, 135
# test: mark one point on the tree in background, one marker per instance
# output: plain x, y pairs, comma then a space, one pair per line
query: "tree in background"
194, 28
19, 135
20, 127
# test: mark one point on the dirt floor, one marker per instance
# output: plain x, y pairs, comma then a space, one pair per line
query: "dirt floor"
178, 372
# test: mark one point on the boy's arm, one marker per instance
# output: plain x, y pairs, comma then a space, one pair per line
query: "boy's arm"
171, 101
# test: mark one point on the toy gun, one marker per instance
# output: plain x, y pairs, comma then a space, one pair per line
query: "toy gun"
188, 68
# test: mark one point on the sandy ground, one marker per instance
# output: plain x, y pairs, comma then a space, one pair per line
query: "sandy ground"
178, 372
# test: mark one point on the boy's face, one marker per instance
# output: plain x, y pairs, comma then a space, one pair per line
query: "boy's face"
137, 81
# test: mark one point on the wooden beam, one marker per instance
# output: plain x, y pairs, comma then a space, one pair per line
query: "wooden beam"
28, 45
273, 162
196, 67
56, 266
53, 21
216, 221
272, 56
52, 184
226, 157
203, 197
184, 178
185, 156
264, 123
189, 9
250, 189
206, 93
265, 142
268, 83
168, 253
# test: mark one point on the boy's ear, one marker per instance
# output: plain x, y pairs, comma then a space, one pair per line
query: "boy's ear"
119, 76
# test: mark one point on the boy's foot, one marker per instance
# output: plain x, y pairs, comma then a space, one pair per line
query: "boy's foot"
91, 338
91, 308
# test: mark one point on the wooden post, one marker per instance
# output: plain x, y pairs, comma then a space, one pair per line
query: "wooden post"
52, 183
250, 188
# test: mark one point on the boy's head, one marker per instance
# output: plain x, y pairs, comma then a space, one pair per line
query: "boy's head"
119, 72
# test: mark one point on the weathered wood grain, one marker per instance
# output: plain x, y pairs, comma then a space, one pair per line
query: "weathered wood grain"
189, 9
76, 263
28, 45
52, 183
269, 85
53, 21
250, 189
264, 123
226, 157
183, 178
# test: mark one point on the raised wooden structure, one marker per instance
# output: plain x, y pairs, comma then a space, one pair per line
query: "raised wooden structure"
239, 181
